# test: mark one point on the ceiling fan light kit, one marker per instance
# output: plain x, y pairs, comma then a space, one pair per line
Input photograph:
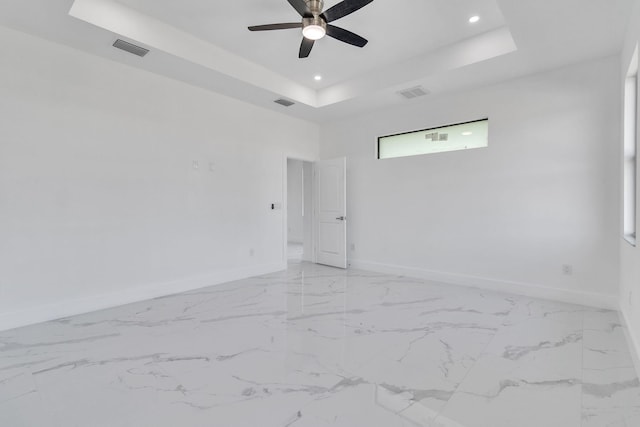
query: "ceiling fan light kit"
315, 23
314, 28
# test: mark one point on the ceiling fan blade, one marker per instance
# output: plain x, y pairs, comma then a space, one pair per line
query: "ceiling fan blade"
300, 6
343, 9
283, 26
346, 36
305, 47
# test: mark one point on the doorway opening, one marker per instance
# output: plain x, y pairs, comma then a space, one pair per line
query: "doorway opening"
299, 211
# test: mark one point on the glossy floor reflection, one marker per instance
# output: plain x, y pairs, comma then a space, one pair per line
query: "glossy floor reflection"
316, 346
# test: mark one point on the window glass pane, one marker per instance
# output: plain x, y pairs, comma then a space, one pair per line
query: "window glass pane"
461, 136
630, 151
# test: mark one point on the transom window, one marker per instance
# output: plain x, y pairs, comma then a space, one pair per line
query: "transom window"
461, 136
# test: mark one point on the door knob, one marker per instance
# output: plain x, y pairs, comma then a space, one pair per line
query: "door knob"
341, 218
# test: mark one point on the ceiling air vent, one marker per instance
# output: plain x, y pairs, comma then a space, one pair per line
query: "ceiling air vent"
131, 48
414, 92
284, 102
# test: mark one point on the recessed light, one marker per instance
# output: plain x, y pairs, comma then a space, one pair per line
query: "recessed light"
467, 133
474, 19
317, 77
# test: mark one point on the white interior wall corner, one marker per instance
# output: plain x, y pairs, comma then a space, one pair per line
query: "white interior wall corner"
629, 291
101, 200
543, 194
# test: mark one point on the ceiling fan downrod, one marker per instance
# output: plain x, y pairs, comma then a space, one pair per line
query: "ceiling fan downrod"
315, 6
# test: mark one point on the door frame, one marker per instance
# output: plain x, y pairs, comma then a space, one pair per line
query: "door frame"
285, 208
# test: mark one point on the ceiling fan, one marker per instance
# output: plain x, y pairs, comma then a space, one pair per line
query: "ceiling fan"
315, 23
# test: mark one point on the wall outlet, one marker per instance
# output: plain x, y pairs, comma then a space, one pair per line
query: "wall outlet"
195, 165
252, 252
567, 269
353, 247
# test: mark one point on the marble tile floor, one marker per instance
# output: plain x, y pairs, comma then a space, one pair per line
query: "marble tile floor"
295, 251
316, 346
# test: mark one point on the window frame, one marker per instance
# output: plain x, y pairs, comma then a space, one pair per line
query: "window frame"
378, 140
630, 151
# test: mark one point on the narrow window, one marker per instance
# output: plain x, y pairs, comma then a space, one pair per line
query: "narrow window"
302, 186
630, 150
461, 136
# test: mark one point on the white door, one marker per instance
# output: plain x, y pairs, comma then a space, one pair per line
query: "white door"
331, 220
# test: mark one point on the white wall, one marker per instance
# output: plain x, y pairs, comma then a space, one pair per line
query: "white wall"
509, 216
629, 255
294, 201
99, 203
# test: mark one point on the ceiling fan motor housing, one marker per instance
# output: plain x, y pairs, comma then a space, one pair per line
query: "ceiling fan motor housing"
314, 27
316, 20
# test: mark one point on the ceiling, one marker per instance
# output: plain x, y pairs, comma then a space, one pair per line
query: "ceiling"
411, 42
414, 34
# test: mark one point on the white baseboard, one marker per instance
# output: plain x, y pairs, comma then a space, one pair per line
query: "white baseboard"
632, 338
589, 299
75, 306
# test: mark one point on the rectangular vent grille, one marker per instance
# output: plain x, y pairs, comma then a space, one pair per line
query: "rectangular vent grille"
435, 136
131, 48
284, 102
414, 92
